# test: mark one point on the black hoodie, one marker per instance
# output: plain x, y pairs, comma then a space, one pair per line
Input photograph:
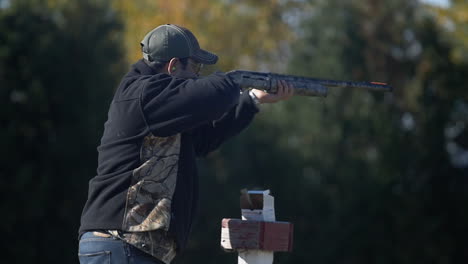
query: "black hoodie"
205, 112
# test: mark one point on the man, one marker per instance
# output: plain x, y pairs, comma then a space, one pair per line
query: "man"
142, 202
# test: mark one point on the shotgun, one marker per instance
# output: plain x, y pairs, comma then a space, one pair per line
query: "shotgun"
302, 85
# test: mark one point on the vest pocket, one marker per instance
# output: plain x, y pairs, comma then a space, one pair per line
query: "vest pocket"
149, 208
148, 202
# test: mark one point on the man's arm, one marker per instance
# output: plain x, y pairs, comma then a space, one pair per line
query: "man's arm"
210, 136
171, 105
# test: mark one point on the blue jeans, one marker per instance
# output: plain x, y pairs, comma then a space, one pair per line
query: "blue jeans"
109, 250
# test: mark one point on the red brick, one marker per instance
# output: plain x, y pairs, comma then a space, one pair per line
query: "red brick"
248, 234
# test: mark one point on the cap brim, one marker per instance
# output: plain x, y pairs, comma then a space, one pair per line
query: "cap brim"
205, 57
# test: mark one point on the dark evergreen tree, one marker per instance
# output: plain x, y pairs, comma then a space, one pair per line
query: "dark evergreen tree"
58, 69
390, 191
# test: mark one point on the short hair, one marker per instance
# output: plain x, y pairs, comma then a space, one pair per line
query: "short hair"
159, 65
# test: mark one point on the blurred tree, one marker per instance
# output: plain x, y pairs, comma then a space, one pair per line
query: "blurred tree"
379, 166
455, 22
365, 177
58, 68
243, 33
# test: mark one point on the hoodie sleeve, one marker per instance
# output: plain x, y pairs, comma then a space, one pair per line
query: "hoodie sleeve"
211, 135
171, 105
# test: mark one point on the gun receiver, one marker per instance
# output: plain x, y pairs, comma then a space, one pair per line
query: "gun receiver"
303, 85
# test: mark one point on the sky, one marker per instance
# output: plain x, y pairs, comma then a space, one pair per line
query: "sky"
441, 3
4, 3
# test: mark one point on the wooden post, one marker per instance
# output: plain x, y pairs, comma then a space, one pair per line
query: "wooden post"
257, 235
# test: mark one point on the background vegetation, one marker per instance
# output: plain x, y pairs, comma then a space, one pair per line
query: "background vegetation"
365, 177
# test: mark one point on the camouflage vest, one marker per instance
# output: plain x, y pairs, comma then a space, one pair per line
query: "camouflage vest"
148, 206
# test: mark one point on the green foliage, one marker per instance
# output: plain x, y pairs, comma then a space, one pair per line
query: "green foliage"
58, 69
219, 25
365, 177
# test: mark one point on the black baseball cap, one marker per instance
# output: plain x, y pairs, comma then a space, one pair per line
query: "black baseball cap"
171, 41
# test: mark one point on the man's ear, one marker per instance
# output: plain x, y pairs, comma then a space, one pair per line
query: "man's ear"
172, 66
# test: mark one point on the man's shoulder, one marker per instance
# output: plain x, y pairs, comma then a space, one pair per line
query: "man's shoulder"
131, 87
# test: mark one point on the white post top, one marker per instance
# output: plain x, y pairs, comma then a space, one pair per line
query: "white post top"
257, 205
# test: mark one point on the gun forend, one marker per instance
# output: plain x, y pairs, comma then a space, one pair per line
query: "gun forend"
302, 85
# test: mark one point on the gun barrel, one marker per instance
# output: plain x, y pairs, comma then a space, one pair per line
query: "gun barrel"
375, 86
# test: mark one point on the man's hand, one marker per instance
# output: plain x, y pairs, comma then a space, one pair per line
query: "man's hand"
285, 91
